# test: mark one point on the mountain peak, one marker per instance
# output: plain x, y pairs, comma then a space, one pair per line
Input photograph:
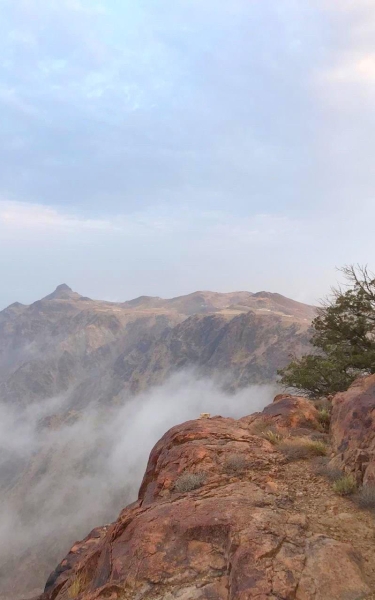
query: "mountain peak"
62, 292
63, 288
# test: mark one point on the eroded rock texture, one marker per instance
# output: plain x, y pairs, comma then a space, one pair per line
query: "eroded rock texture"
353, 429
250, 531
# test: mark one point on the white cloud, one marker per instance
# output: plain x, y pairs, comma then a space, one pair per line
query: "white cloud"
29, 218
36, 217
353, 69
353, 58
10, 98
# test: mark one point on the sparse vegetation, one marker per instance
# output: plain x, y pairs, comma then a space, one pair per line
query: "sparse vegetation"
325, 470
190, 481
344, 339
324, 418
273, 437
345, 486
76, 587
366, 497
235, 463
302, 448
261, 425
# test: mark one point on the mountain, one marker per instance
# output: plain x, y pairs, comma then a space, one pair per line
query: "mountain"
68, 364
224, 514
96, 350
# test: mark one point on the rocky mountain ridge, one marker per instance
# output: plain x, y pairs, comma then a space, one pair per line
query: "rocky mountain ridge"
97, 350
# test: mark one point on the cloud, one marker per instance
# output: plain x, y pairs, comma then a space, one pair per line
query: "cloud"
36, 218
220, 144
352, 59
18, 216
353, 70
81, 471
10, 98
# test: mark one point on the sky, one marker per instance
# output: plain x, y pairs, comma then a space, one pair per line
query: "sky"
165, 146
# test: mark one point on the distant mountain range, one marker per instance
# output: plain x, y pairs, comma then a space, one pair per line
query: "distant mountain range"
92, 353
93, 350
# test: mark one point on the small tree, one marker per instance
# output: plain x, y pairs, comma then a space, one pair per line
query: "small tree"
343, 338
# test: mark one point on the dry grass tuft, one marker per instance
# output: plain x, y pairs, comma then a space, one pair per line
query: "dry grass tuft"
190, 481
324, 418
76, 587
273, 437
302, 448
331, 473
345, 486
235, 463
261, 425
366, 497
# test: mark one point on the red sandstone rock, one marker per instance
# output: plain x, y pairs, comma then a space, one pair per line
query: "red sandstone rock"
233, 538
287, 412
353, 429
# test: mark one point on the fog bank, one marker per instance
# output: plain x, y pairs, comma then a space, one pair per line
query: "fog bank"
61, 474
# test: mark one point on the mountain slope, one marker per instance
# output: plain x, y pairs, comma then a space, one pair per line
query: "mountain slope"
69, 363
64, 343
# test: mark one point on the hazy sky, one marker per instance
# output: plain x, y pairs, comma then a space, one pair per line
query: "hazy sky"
164, 146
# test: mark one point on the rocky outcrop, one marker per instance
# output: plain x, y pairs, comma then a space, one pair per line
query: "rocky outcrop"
222, 516
353, 429
292, 412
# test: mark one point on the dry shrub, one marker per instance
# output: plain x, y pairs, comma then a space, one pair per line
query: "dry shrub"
325, 470
345, 486
190, 481
235, 463
261, 425
273, 437
302, 448
324, 418
366, 497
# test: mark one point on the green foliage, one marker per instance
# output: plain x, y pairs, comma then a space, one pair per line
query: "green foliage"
343, 338
345, 485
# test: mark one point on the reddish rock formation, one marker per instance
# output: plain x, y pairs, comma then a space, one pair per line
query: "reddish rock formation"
239, 536
353, 429
292, 411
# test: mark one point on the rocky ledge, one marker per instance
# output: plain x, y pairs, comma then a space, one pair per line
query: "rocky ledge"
225, 511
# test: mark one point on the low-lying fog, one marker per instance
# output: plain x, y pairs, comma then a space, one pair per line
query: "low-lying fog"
61, 480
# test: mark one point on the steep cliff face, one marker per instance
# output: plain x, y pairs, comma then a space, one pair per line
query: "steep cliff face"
223, 514
245, 348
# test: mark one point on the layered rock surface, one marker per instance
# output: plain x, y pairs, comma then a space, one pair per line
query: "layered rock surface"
353, 430
258, 527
